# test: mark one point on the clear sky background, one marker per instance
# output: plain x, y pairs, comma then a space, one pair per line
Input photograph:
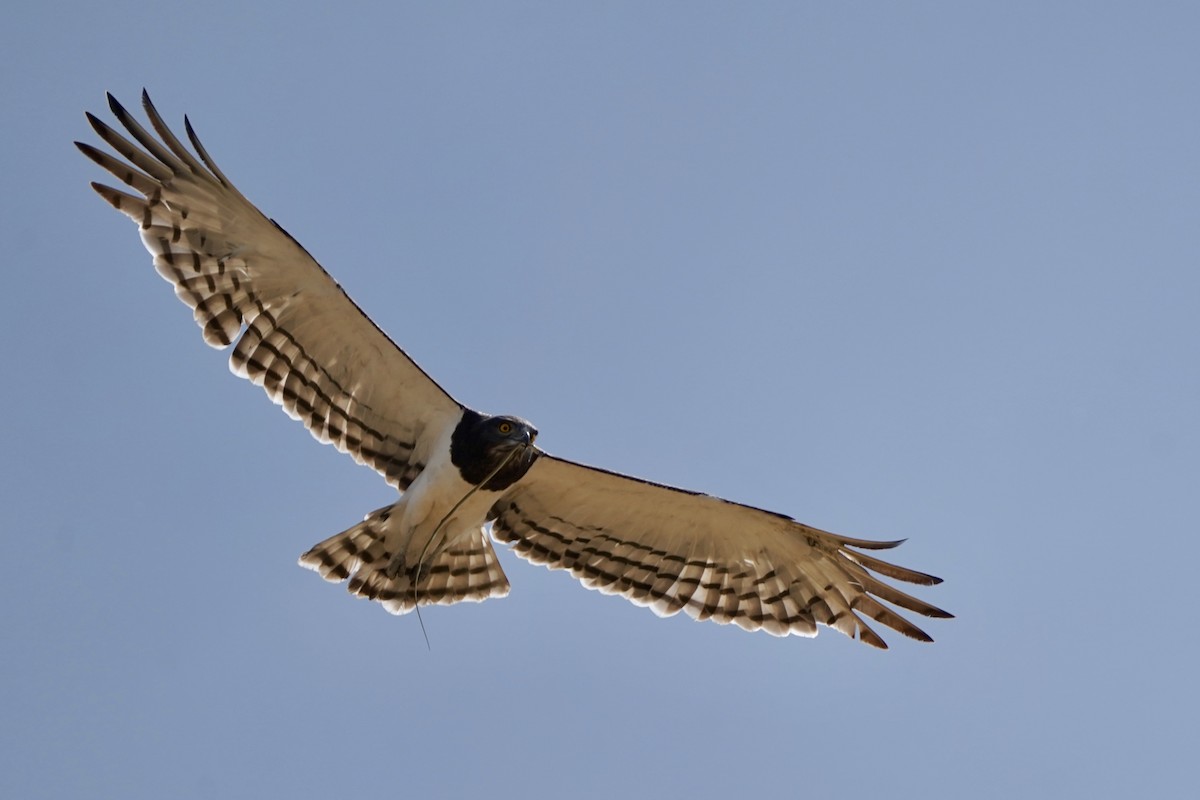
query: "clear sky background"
924, 270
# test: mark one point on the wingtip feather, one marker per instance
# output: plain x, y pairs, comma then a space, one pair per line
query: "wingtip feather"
125, 203
204, 156
870, 637
115, 105
148, 104
98, 125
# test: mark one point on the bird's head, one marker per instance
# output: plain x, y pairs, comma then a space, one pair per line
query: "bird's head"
500, 447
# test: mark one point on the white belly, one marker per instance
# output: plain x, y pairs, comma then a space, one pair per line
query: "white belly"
438, 510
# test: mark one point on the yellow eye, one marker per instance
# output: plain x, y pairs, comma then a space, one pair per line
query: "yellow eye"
505, 427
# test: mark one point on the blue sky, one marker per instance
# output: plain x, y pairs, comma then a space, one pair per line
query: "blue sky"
922, 270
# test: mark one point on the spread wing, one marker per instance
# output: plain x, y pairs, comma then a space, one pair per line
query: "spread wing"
674, 550
297, 334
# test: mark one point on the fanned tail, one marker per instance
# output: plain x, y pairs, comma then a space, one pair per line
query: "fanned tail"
465, 571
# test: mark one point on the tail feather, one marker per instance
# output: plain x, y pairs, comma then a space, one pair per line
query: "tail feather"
466, 571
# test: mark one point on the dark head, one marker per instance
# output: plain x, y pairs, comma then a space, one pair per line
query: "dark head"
481, 444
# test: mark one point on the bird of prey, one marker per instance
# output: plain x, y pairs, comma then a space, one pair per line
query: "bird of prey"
298, 335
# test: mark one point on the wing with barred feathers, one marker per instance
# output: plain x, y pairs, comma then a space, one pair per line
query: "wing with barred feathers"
674, 550
297, 333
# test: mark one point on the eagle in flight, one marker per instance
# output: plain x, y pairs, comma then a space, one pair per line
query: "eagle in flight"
297, 334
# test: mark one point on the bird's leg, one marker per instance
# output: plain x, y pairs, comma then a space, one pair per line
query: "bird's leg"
399, 562
396, 564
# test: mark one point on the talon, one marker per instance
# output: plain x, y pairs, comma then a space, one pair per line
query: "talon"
395, 565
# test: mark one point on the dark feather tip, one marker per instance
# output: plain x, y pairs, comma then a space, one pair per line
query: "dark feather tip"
115, 105
97, 124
